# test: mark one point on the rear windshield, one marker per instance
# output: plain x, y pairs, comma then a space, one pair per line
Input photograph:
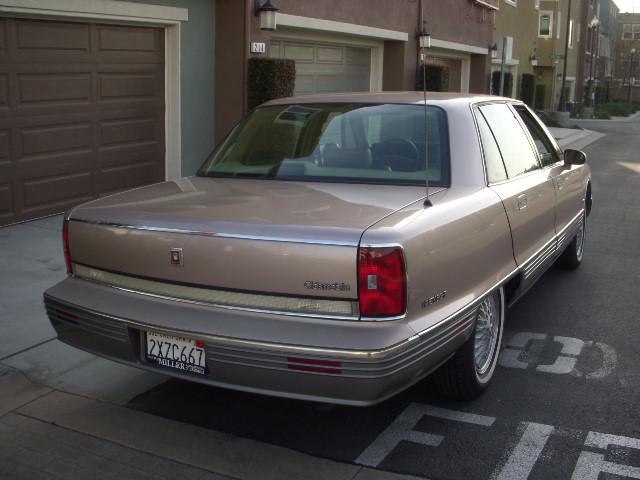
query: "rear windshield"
351, 143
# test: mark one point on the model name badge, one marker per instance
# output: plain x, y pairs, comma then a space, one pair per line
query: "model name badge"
337, 286
436, 298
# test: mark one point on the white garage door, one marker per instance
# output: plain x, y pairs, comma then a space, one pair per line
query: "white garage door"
326, 68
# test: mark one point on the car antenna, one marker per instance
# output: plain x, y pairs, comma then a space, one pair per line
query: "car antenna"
425, 42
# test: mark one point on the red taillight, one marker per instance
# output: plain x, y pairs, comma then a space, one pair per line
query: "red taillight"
382, 283
65, 245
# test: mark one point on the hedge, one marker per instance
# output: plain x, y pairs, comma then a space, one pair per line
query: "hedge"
527, 88
495, 83
270, 78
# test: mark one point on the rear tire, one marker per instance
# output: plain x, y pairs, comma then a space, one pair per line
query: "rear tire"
468, 373
571, 258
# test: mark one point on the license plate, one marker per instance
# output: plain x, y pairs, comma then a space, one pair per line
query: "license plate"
177, 353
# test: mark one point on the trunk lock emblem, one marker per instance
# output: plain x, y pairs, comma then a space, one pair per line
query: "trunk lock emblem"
177, 258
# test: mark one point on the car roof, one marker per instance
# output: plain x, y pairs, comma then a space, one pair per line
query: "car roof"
388, 97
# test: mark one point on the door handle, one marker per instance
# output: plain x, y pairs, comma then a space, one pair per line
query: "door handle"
522, 202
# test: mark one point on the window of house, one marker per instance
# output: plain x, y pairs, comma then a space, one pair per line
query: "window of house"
571, 29
559, 25
536, 4
513, 3
545, 24
631, 31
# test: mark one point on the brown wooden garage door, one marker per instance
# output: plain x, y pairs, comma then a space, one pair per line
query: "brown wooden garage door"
81, 113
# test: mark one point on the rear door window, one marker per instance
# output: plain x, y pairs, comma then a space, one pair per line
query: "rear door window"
546, 150
517, 153
492, 158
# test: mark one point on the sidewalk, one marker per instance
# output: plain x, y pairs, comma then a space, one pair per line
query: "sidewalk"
574, 138
62, 412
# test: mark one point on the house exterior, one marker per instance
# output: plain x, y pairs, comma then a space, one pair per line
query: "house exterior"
552, 37
587, 62
627, 62
607, 13
94, 98
517, 20
98, 96
359, 45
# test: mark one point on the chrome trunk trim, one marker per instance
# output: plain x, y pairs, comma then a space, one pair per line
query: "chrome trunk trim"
203, 233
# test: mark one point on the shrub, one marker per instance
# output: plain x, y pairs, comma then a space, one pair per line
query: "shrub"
527, 88
270, 78
601, 114
618, 109
495, 83
541, 91
601, 94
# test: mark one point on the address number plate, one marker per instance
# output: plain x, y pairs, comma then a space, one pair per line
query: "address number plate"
176, 353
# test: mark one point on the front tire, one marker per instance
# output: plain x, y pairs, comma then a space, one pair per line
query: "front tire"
468, 373
571, 258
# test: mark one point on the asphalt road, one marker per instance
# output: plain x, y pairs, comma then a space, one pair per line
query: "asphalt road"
564, 404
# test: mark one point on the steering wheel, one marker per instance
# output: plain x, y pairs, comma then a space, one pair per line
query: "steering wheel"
398, 154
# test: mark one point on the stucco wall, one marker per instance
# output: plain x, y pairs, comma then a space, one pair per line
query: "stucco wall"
197, 81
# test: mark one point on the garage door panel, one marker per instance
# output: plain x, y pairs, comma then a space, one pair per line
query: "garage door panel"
59, 37
54, 88
44, 193
115, 179
3, 36
6, 201
53, 139
304, 84
81, 113
128, 85
325, 67
5, 146
129, 44
127, 131
299, 53
116, 155
330, 55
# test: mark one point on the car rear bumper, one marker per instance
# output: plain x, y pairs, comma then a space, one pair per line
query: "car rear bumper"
360, 367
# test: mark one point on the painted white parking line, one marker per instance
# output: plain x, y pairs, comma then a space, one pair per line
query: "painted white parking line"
403, 426
562, 366
609, 361
526, 453
590, 465
457, 416
522, 349
570, 346
603, 440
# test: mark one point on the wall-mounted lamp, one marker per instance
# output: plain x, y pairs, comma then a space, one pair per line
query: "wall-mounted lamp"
267, 13
424, 38
533, 59
494, 50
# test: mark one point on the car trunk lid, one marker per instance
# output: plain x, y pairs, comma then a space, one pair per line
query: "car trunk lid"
248, 235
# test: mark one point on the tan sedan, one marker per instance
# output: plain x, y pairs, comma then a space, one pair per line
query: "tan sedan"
311, 258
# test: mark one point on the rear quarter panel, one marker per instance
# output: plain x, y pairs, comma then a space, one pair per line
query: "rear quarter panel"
461, 245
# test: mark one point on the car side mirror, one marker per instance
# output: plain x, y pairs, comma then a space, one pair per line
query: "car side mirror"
574, 157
